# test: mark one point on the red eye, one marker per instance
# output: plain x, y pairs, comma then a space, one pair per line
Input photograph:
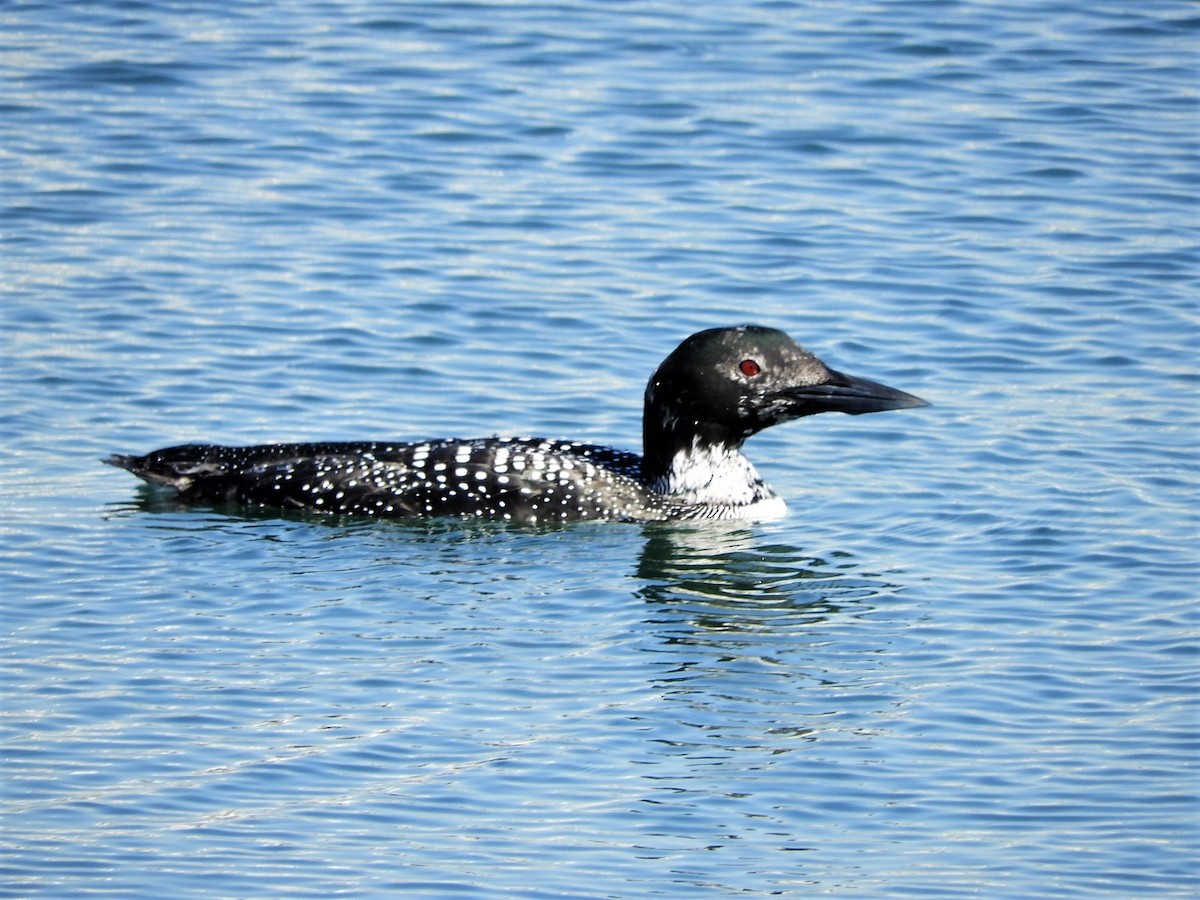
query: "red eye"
749, 368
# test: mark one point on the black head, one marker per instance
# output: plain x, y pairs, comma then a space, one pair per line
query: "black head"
722, 385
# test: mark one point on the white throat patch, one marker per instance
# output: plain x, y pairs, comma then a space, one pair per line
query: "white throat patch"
722, 479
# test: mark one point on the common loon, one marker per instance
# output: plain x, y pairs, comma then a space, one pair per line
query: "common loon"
716, 389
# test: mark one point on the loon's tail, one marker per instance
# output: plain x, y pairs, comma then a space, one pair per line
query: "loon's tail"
176, 467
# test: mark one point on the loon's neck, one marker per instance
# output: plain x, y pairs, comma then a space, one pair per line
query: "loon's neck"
716, 479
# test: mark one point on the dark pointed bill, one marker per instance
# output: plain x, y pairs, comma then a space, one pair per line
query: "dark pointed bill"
849, 394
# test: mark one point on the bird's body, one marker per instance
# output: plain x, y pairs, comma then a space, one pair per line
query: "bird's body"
488, 478
716, 389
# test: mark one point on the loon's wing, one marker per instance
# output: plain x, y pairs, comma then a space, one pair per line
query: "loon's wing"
515, 479
372, 478
187, 466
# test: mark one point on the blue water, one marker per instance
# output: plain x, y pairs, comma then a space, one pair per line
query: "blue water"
963, 666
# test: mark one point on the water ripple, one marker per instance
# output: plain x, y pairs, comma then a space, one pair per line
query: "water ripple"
963, 664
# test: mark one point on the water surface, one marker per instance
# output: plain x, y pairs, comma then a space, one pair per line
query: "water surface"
964, 665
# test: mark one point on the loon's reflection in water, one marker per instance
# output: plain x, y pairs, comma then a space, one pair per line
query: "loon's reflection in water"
762, 647
733, 577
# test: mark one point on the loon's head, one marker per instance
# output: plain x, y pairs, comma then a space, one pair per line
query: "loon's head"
722, 385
